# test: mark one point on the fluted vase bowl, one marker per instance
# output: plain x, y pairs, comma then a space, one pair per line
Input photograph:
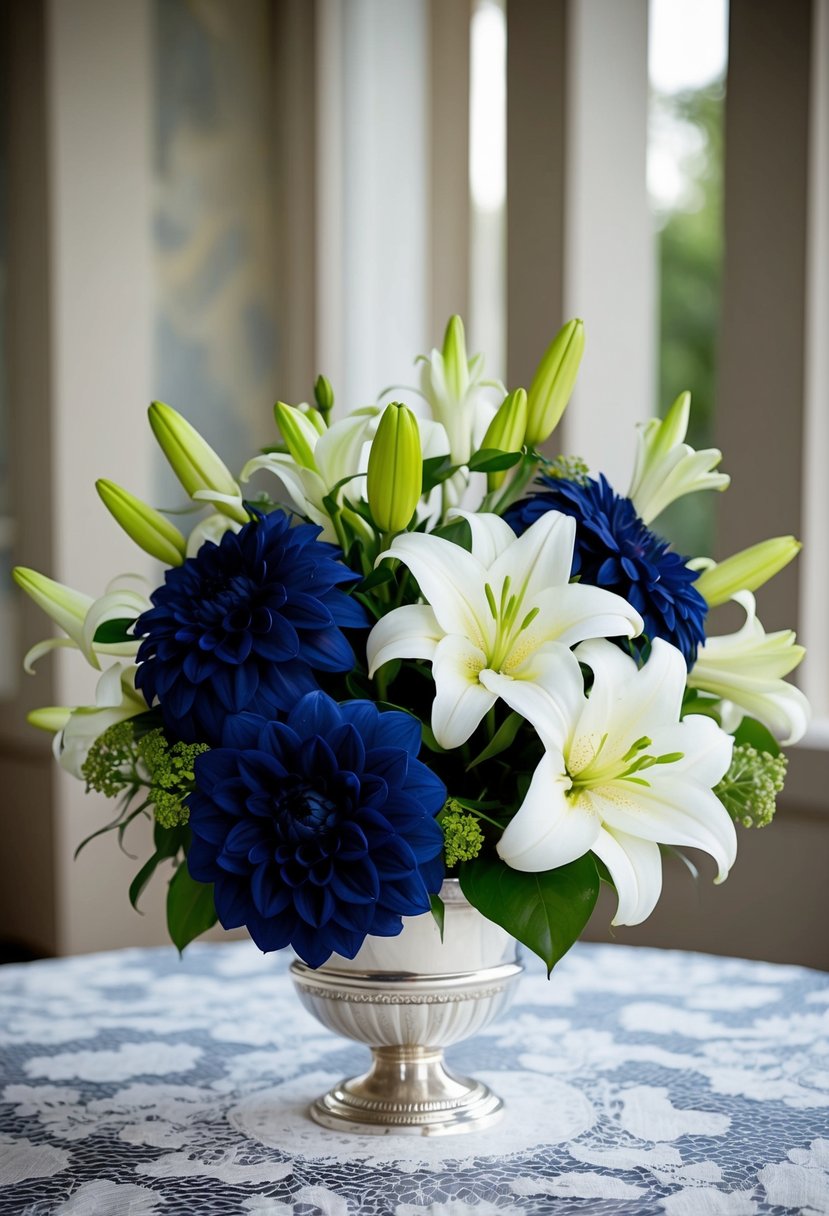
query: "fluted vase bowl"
407, 998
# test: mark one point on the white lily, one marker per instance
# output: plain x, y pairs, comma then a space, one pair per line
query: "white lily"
621, 774
116, 699
457, 394
340, 454
332, 457
666, 467
493, 615
746, 670
80, 616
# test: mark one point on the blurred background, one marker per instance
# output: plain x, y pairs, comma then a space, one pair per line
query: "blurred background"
210, 201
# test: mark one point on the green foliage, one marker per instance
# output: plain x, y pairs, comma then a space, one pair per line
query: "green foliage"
190, 908
749, 789
113, 632
547, 911
462, 835
438, 909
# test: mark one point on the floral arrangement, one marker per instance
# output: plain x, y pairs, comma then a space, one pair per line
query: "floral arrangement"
425, 649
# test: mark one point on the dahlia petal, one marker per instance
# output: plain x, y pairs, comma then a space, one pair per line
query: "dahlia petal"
394, 859
390, 763
219, 764
234, 648
314, 904
241, 838
326, 649
425, 786
307, 611
201, 860
269, 896
407, 896
312, 946
363, 716
275, 932
356, 883
349, 749
232, 899
315, 714
386, 923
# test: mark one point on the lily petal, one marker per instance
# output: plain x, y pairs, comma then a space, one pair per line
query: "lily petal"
540, 558
450, 579
635, 866
549, 829
491, 535
673, 810
461, 701
548, 690
410, 632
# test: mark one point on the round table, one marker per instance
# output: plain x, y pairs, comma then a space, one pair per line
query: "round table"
637, 1081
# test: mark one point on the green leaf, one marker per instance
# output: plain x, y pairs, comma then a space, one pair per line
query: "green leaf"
546, 912
439, 912
190, 907
378, 576
490, 460
167, 841
435, 470
503, 738
110, 633
754, 733
430, 741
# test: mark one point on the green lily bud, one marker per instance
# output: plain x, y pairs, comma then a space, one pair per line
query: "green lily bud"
316, 419
746, 570
143, 524
553, 382
455, 365
506, 432
52, 717
194, 462
324, 395
299, 433
395, 469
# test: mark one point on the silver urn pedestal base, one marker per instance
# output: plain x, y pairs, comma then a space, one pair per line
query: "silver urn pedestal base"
407, 998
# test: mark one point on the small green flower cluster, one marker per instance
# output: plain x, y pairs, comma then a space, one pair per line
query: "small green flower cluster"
568, 468
109, 767
171, 774
462, 835
749, 789
120, 762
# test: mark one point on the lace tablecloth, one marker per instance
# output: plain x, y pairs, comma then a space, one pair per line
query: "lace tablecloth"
638, 1081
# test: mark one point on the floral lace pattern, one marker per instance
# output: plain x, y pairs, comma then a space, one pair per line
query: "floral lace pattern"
637, 1081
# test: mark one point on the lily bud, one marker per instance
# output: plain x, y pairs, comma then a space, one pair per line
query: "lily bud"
746, 570
395, 469
299, 433
324, 395
506, 432
194, 462
455, 365
52, 717
66, 607
553, 382
143, 524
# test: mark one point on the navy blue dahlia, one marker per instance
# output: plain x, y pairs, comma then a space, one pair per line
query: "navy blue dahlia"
244, 625
320, 830
616, 550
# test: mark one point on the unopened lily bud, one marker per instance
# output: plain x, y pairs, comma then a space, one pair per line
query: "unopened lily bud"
324, 395
143, 524
299, 433
52, 717
746, 570
455, 365
395, 469
194, 462
553, 382
506, 432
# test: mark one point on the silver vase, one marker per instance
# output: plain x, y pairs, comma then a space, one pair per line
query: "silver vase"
407, 998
